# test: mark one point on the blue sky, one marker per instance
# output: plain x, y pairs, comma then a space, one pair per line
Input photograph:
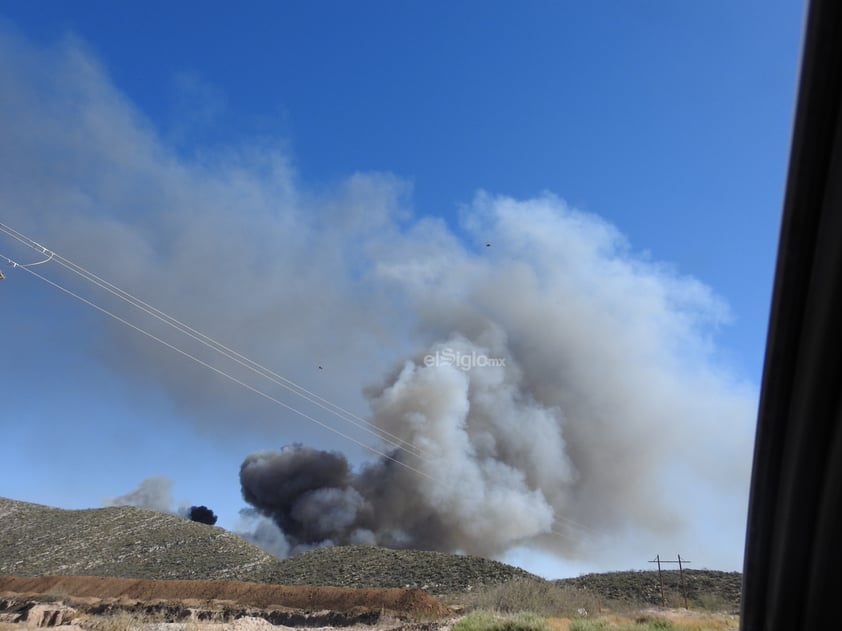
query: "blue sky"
160, 146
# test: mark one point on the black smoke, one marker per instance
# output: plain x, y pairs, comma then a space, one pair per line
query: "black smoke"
202, 514
315, 499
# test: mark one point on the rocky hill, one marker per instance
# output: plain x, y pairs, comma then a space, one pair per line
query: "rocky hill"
121, 541
708, 589
130, 542
365, 566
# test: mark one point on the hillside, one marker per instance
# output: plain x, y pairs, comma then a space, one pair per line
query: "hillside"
364, 566
121, 541
130, 542
705, 588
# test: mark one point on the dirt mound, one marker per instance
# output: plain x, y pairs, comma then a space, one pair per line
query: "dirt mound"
405, 602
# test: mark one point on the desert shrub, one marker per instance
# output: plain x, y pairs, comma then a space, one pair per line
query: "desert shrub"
117, 621
710, 601
641, 623
486, 621
583, 624
530, 595
56, 594
653, 623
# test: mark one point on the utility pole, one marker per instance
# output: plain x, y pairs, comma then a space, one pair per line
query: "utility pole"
681, 563
657, 560
681, 574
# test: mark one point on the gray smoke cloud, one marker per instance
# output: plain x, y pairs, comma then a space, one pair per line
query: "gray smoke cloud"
610, 397
263, 532
564, 372
153, 493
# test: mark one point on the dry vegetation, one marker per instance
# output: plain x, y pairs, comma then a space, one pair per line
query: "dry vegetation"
705, 589
134, 543
521, 605
121, 541
370, 566
482, 595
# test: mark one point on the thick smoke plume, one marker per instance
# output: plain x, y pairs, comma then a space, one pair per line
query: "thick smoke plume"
606, 398
202, 514
563, 376
499, 462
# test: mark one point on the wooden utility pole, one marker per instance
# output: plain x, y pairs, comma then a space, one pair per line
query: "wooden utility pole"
681, 574
681, 563
660, 582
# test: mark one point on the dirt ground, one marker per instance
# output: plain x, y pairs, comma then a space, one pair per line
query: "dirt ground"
88, 603
110, 604
411, 603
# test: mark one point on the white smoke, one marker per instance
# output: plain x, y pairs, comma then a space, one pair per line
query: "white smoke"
611, 394
153, 493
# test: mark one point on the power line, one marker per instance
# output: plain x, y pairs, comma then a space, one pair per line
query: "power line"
215, 369
337, 410
242, 360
